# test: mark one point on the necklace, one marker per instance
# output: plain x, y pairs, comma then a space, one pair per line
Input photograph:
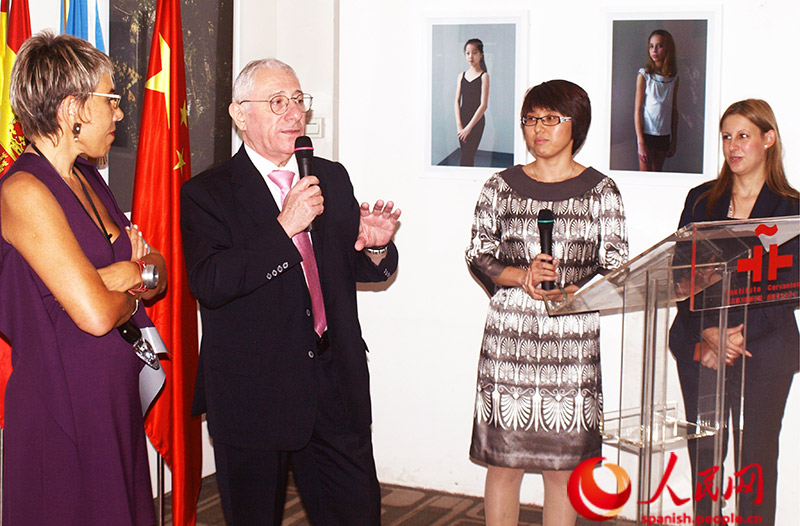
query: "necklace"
102, 225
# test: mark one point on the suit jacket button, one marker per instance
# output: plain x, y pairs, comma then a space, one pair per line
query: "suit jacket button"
269, 276
311, 354
308, 312
274, 272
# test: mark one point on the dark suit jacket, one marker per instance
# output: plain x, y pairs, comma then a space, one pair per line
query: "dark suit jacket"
772, 335
256, 377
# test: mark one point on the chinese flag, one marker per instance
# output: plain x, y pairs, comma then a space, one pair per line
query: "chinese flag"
15, 28
162, 165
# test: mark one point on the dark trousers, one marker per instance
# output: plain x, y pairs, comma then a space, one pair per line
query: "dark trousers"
334, 472
764, 404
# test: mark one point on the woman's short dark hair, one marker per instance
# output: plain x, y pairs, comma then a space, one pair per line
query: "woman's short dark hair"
49, 68
568, 99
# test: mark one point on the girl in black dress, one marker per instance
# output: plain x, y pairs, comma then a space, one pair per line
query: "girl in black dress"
472, 99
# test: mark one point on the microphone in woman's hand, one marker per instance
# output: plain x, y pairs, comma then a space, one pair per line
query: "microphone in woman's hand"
545, 222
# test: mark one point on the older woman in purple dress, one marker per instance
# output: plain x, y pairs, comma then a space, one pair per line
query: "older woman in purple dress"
72, 269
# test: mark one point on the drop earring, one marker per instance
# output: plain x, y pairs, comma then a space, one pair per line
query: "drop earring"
76, 130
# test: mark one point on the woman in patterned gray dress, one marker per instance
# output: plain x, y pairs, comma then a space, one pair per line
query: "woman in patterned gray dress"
539, 397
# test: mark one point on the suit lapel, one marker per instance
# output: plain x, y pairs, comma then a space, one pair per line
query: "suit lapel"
252, 191
766, 203
318, 233
720, 210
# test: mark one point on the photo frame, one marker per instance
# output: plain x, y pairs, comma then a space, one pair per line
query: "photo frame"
499, 144
697, 45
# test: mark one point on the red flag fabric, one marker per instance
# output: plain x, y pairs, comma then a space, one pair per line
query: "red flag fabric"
15, 28
162, 165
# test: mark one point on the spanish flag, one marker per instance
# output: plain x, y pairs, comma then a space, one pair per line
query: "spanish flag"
15, 28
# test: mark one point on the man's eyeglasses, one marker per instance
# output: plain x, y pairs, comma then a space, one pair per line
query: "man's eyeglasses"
547, 120
279, 104
113, 98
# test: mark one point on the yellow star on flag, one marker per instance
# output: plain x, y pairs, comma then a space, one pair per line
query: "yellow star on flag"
185, 115
160, 81
181, 163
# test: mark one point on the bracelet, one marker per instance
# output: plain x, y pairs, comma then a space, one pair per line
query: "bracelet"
377, 251
135, 308
141, 287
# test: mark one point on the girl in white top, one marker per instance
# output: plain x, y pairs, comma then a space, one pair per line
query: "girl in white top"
656, 104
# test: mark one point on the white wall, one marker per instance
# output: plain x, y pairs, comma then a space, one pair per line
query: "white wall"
424, 331
364, 62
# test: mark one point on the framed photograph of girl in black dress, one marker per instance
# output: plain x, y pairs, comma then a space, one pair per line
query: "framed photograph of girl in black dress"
473, 85
663, 92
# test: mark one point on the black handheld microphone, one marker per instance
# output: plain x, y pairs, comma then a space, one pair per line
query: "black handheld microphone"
304, 153
545, 222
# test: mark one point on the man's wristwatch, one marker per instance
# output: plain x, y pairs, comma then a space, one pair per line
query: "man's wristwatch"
377, 251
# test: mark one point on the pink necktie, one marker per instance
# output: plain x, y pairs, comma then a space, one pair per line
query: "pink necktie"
302, 241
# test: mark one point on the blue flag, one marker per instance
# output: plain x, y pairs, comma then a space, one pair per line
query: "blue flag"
77, 22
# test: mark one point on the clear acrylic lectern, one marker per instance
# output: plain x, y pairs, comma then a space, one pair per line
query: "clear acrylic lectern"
716, 267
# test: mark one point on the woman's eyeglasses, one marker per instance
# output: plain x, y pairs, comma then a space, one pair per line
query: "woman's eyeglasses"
547, 120
113, 98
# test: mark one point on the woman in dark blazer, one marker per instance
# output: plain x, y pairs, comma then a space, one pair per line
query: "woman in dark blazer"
751, 184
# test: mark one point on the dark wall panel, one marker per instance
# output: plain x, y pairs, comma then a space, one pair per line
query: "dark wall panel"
207, 43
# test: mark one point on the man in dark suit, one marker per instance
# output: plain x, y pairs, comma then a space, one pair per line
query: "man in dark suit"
283, 372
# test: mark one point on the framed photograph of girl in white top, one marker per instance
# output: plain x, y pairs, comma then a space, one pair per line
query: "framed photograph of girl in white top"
663, 70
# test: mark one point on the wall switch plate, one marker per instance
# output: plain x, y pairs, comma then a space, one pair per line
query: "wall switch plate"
314, 128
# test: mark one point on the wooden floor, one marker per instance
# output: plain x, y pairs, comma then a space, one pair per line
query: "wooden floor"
401, 506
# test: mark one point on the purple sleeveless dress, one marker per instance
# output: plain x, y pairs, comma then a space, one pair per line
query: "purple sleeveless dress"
75, 450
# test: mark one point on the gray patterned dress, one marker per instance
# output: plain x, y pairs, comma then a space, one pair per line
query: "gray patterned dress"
539, 392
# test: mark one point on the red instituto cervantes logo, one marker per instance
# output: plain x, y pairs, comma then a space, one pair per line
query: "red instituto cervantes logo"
755, 266
765, 261
776, 260
589, 499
